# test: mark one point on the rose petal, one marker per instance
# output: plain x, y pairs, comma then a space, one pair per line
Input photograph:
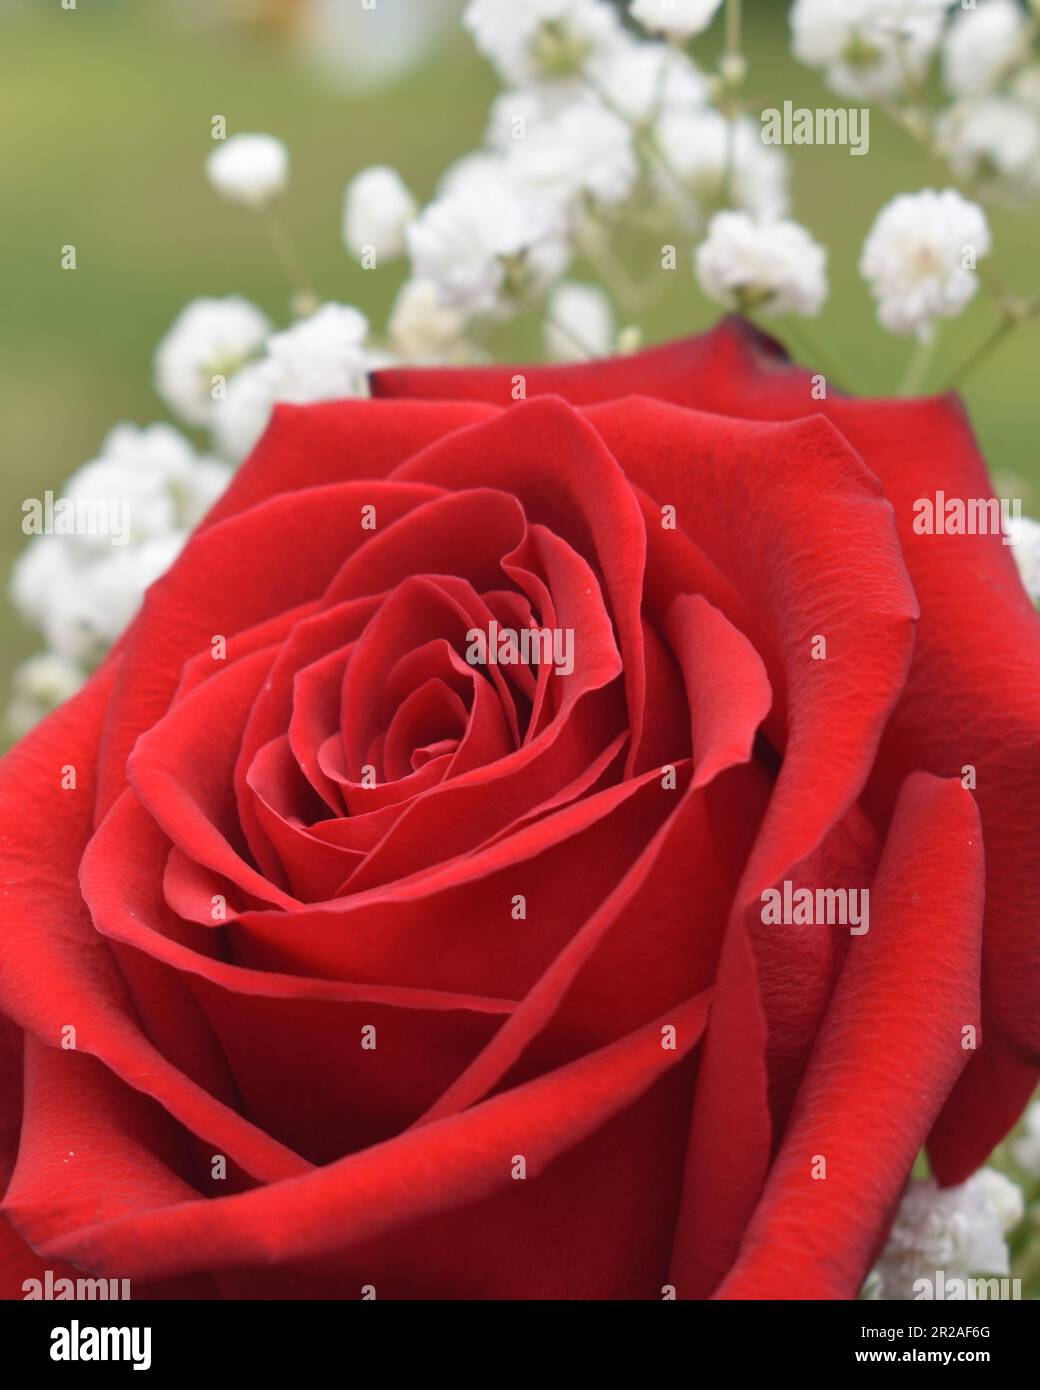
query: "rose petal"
889, 1050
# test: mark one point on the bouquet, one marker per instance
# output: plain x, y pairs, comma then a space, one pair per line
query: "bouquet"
589, 803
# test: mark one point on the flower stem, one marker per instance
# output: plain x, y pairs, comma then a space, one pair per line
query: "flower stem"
733, 79
917, 367
566, 332
733, 27
594, 246
982, 350
649, 150
288, 257
814, 356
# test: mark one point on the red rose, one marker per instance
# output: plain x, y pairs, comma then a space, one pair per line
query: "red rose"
352, 960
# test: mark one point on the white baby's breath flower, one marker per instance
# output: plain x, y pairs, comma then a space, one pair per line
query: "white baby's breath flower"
160, 449
249, 169
996, 1197
682, 18
644, 80
321, 358
958, 1230
1025, 546
242, 416
210, 338
85, 620
981, 45
82, 603
579, 323
203, 486
1026, 1148
470, 171
695, 146
541, 40
421, 328
138, 499
39, 686
377, 207
146, 495
517, 111
43, 568
995, 142
773, 266
584, 152
144, 469
919, 256
867, 48
489, 247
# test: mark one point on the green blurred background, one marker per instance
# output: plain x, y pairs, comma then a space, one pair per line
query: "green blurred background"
106, 115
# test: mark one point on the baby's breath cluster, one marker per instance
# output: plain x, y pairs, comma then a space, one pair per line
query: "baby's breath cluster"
80, 588
623, 151
948, 1233
963, 79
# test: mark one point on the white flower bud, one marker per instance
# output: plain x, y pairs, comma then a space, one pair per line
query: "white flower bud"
489, 247
542, 40
421, 328
580, 323
919, 259
319, 359
209, 339
981, 45
775, 266
377, 207
249, 169
681, 18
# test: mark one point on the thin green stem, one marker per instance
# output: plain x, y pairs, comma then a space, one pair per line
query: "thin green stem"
595, 248
733, 80
808, 349
734, 38
647, 147
565, 331
983, 350
285, 250
917, 367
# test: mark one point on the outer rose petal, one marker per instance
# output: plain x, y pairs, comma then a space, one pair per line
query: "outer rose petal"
889, 1049
766, 503
48, 935
19, 1263
607, 1112
337, 442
